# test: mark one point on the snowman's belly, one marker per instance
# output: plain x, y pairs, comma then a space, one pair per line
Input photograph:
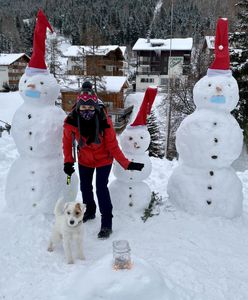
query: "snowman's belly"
36, 137
134, 176
215, 141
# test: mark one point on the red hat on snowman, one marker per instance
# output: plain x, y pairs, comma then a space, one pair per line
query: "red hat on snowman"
145, 108
37, 63
221, 63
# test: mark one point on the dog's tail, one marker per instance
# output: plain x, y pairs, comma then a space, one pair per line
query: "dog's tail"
59, 207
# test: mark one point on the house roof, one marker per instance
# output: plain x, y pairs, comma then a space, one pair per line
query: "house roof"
74, 51
112, 84
161, 44
8, 58
210, 41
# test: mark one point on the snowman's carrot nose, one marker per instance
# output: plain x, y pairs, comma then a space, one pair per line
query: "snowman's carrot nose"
31, 85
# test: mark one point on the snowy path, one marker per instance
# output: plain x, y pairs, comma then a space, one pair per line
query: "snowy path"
199, 258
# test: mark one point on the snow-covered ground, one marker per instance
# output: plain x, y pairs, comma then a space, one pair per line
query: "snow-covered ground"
199, 258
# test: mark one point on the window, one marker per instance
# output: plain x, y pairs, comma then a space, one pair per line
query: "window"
186, 59
109, 68
145, 69
151, 80
144, 59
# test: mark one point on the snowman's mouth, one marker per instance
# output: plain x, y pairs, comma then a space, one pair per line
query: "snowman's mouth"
32, 94
220, 99
136, 146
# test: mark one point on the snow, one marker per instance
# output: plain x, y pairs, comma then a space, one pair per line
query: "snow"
112, 84
199, 258
9, 58
161, 44
75, 51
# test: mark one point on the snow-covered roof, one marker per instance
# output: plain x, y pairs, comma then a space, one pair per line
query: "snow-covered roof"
210, 41
112, 84
101, 50
161, 44
8, 58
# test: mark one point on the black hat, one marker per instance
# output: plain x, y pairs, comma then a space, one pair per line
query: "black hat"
86, 86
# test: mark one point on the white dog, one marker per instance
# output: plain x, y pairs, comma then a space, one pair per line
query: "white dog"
68, 227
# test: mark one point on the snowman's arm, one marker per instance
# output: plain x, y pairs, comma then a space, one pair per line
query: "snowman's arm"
112, 146
67, 142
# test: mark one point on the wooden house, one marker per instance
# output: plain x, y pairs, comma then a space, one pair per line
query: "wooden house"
113, 95
96, 61
157, 59
12, 67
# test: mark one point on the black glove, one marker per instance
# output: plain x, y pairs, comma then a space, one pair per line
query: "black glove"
69, 168
135, 166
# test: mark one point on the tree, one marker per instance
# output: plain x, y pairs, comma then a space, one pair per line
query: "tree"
156, 146
53, 54
239, 61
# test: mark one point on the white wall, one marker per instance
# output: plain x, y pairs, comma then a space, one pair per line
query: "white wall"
4, 76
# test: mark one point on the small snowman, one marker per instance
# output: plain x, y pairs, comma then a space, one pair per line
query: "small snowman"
208, 141
128, 190
36, 179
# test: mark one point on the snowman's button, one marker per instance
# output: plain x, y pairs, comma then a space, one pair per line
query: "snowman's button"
215, 140
29, 116
33, 189
31, 148
214, 156
30, 133
130, 204
130, 196
131, 178
130, 188
132, 159
215, 123
211, 173
32, 172
209, 202
209, 187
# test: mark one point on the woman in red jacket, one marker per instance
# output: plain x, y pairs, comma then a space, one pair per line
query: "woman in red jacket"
97, 147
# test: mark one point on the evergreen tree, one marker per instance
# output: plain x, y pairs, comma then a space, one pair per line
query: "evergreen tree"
53, 54
239, 60
156, 146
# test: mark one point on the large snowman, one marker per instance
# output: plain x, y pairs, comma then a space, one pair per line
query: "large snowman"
208, 141
128, 191
36, 179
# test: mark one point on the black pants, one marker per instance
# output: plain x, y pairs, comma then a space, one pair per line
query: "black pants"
103, 196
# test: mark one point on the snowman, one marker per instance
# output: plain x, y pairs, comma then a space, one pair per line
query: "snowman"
128, 189
208, 141
36, 180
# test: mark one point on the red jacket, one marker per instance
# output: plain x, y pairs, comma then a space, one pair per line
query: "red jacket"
94, 155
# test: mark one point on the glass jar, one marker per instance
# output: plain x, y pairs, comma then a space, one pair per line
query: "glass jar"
121, 255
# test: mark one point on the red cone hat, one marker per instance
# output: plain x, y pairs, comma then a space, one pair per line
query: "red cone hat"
146, 106
37, 62
221, 64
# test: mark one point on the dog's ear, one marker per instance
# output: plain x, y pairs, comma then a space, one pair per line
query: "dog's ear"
81, 206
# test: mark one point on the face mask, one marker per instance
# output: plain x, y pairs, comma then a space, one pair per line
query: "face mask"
87, 114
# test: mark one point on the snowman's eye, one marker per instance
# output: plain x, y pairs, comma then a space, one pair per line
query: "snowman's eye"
130, 138
41, 82
209, 84
141, 137
25, 81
